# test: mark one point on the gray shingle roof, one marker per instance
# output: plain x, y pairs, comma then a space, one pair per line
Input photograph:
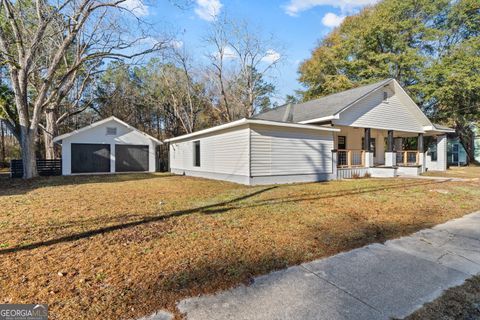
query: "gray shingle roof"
319, 108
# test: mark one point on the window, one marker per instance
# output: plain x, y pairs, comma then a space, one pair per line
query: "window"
385, 95
342, 142
196, 153
372, 145
455, 153
111, 131
432, 150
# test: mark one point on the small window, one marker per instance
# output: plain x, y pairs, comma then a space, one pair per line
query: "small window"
111, 131
385, 95
196, 153
342, 142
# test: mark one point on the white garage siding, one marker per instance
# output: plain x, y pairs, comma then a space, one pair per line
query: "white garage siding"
290, 152
374, 112
223, 155
97, 134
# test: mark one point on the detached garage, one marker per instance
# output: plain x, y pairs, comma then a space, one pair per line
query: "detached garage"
107, 146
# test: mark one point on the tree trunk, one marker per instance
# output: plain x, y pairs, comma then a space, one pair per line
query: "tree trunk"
2, 129
49, 132
28, 153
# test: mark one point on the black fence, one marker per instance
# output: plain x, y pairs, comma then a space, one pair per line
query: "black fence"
44, 167
162, 158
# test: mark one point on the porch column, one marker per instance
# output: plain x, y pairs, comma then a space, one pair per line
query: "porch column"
421, 152
334, 164
442, 152
390, 156
368, 150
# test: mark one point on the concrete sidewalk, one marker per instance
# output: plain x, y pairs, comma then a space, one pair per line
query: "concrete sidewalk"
379, 281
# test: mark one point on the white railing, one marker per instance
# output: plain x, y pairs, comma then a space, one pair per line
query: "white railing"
407, 158
349, 158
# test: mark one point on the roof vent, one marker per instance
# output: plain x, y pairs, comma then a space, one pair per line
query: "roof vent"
111, 131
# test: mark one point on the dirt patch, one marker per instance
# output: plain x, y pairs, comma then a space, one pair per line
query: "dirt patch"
119, 247
459, 303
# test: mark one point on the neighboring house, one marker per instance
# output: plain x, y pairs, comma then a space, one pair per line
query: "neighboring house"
476, 144
456, 153
352, 133
107, 146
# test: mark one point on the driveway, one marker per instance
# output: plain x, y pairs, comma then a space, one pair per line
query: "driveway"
378, 281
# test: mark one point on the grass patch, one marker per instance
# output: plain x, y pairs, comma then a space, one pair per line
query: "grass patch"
127, 245
462, 302
472, 172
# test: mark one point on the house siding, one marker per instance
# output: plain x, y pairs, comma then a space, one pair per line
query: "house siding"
221, 154
374, 112
288, 151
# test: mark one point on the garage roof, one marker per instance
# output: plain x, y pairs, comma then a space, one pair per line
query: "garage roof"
59, 139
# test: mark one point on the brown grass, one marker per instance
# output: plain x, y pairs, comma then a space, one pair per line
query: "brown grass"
457, 172
111, 247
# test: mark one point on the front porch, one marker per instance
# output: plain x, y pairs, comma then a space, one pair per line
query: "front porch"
385, 153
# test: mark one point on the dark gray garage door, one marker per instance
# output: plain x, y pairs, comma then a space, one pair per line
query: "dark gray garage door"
131, 158
88, 158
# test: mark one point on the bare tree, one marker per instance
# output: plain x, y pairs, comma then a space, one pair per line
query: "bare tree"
36, 39
241, 61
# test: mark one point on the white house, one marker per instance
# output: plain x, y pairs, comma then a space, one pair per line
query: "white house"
366, 130
107, 146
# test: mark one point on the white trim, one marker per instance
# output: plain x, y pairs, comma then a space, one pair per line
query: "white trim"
336, 116
96, 124
245, 121
435, 129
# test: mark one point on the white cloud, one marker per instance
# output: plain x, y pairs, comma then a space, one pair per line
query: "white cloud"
136, 7
271, 56
332, 20
228, 54
208, 9
175, 44
294, 7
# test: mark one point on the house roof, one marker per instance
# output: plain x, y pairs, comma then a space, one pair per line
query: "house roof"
251, 121
323, 107
58, 139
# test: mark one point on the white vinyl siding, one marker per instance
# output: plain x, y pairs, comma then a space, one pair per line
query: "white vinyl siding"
287, 151
374, 112
221, 152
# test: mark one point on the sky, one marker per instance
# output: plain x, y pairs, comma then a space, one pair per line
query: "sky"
297, 26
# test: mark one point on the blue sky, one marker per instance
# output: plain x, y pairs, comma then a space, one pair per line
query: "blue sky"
297, 26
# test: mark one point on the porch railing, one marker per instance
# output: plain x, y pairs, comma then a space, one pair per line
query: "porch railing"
350, 158
407, 158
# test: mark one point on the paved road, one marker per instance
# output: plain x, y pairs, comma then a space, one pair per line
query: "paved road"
379, 281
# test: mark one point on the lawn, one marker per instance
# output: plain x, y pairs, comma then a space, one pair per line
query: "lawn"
117, 247
457, 172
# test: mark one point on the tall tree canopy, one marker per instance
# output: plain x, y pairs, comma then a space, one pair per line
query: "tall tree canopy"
430, 47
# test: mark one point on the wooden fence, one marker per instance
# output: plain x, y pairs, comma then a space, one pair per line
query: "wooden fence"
45, 167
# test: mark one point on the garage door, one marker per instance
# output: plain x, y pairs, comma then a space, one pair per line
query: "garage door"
90, 158
131, 158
